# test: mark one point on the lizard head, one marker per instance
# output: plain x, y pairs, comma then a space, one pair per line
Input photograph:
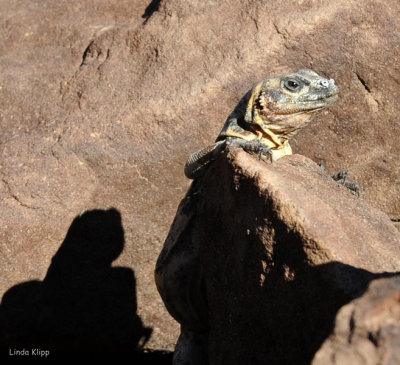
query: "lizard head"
285, 104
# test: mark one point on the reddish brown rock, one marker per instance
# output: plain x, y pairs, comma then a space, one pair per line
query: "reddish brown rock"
367, 330
102, 103
283, 248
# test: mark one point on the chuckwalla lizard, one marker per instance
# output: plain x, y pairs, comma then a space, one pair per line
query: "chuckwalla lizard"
268, 116
262, 122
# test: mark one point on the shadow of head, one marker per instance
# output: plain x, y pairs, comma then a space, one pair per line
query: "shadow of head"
94, 238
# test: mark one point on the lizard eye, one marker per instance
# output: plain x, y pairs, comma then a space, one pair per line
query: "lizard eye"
292, 85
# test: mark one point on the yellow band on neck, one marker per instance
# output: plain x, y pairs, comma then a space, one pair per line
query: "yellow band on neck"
280, 148
265, 132
249, 110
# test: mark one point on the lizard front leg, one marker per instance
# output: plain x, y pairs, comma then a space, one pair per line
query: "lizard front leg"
253, 146
198, 161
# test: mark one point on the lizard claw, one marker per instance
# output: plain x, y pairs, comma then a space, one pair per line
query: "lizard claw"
342, 178
254, 146
260, 149
263, 151
354, 187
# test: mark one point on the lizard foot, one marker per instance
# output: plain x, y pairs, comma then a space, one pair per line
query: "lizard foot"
342, 178
254, 146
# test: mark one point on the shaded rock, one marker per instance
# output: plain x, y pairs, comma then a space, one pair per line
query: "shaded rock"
83, 304
102, 103
367, 330
283, 247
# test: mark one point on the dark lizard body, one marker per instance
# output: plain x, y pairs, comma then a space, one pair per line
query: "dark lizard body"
263, 122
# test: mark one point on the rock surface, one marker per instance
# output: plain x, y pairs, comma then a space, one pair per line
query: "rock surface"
102, 102
367, 330
283, 247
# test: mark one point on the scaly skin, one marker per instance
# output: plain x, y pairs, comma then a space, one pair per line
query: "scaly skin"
268, 116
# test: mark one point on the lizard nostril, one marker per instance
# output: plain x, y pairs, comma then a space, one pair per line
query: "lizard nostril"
323, 83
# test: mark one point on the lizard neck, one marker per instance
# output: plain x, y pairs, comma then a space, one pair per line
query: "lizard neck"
280, 146
266, 135
271, 134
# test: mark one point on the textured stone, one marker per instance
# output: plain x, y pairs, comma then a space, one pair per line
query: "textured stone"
367, 330
283, 248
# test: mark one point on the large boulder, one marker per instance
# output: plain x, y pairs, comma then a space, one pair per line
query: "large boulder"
283, 247
102, 103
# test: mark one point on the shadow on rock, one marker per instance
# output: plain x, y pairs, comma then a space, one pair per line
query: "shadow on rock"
282, 250
83, 305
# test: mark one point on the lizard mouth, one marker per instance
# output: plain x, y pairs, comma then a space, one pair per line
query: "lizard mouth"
319, 99
307, 106
325, 101
307, 103
332, 97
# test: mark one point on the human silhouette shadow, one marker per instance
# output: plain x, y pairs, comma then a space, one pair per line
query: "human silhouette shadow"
83, 305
